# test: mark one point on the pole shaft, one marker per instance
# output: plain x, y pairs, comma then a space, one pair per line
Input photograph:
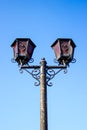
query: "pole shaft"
43, 97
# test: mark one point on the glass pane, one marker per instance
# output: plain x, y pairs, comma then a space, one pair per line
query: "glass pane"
65, 48
15, 49
57, 50
22, 48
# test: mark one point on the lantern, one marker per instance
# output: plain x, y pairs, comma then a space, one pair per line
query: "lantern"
64, 50
23, 49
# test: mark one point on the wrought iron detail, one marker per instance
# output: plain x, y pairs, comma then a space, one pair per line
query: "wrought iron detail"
56, 61
20, 63
74, 60
35, 73
50, 75
31, 60
50, 71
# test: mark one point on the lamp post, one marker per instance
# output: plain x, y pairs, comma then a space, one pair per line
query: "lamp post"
23, 49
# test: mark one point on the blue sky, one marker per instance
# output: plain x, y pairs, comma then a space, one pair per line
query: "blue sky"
43, 21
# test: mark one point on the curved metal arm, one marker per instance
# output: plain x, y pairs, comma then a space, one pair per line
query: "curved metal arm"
51, 71
50, 75
35, 73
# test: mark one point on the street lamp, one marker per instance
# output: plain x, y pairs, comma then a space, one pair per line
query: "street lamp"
23, 49
64, 50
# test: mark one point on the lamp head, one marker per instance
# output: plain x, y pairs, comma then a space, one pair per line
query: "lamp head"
64, 50
23, 49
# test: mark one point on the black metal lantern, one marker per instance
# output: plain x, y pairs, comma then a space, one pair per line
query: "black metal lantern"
23, 49
64, 50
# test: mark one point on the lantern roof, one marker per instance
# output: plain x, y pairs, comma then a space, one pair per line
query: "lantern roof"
64, 39
23, 39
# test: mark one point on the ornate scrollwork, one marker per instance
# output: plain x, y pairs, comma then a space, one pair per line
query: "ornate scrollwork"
50, 75
49, 71
31, 60
35, 73
74, 60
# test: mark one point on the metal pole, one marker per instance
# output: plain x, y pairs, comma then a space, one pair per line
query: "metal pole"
43, 96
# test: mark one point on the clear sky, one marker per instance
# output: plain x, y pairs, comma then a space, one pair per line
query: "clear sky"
43, 21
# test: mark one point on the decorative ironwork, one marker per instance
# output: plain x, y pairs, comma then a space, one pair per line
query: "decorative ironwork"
50, 75
31, 60
74, 60
51, 71
35, 73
